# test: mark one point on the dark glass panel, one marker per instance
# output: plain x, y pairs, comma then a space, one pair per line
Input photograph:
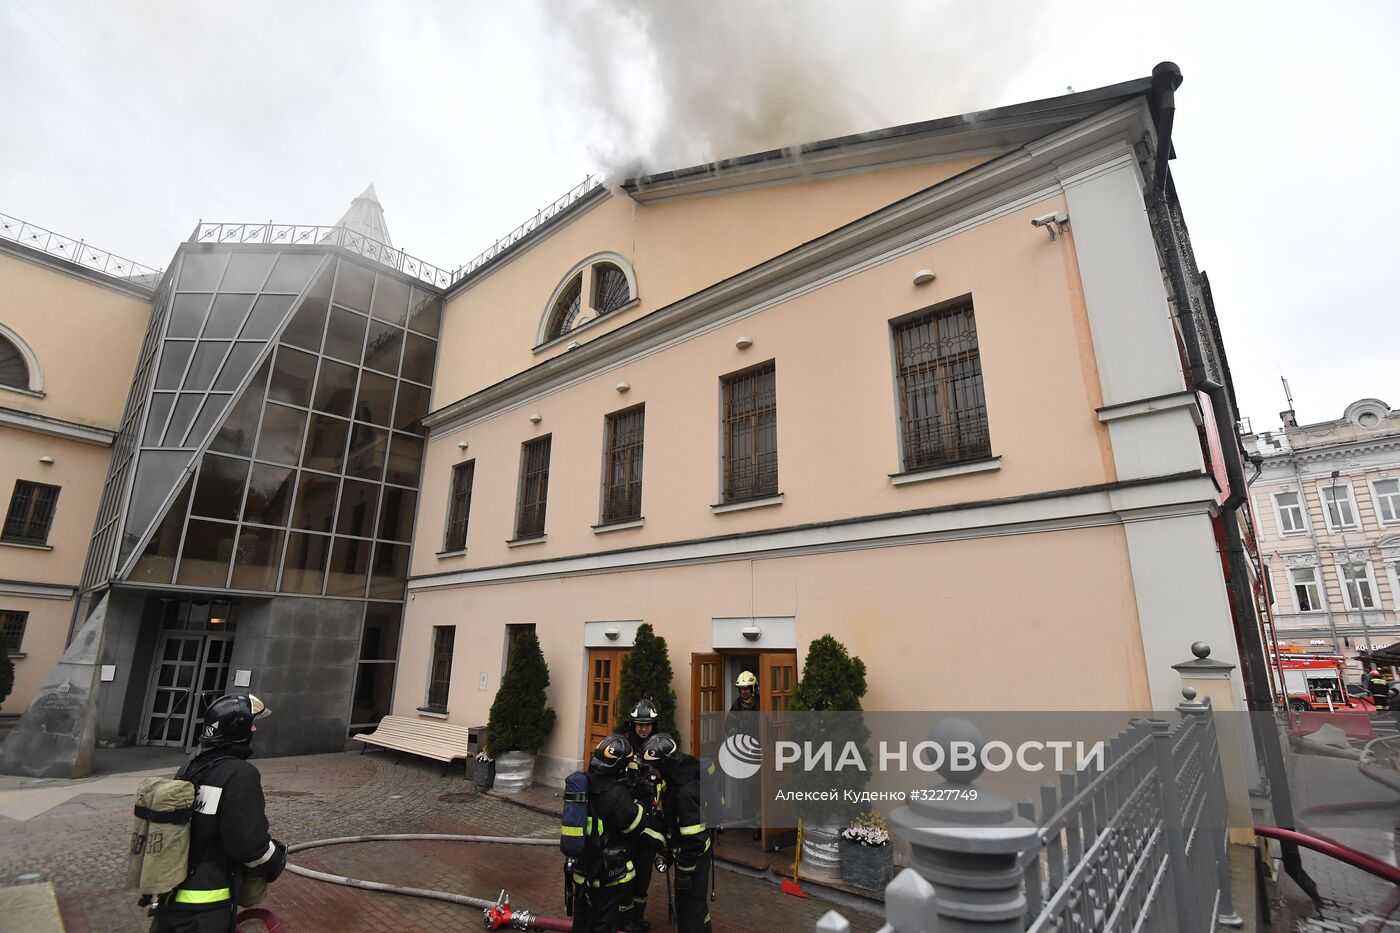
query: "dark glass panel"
396, 515
205, 365
374, 694
389, 571
174, 355
219, 492
325, 443
380, 641
353, 285
159, 410
405, 456
418, 355
205, 558
201, 271
411, 406
157, 561
241, 425
335, 388
358, 501
390, 299
185, 410
426, 313
246, 272
239, 361
315, 508
227, 316
269, 494
376, 399
367, 448
292, 376
304, 570
208, 415
187, 314
384, 347
345, 335
255, 561
268, 312
309, 322
349, 567
279, 441
157, 471
292, 272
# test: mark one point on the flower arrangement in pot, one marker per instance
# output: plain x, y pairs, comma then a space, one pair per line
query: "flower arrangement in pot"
867, 858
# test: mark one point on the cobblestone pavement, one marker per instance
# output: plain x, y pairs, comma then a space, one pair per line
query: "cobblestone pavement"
81, 847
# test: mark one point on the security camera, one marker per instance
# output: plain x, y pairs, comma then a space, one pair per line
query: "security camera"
1051, 222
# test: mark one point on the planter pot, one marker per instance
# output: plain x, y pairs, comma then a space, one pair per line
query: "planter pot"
821, 854
515, 771
484, 772
867, 866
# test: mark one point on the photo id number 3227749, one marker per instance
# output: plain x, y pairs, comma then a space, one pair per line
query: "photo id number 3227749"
935, 794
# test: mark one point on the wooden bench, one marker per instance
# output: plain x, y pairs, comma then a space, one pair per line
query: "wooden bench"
429, 738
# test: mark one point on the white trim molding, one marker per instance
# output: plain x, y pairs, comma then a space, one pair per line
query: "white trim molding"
1147, 406
1301, 506
27, 590
743, 505
42, 424
1393, 499
955, 469
31, 360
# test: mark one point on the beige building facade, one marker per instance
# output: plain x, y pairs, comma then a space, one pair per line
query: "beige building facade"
69, 338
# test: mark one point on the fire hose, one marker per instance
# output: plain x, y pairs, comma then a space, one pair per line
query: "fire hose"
498, 914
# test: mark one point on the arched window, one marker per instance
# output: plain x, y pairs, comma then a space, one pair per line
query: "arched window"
566, 307
605, 280
19, 367
610, 288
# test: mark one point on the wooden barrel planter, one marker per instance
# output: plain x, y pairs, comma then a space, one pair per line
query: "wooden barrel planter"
821, 855
515, 771
867, 866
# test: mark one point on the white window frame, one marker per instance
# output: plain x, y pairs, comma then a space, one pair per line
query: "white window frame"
1370, 580
1392, 569
1302, 508
1376, 501
1322, 490
1320, 604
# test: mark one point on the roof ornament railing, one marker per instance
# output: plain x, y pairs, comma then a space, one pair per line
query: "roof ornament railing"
275, 234
77, 251
542, 216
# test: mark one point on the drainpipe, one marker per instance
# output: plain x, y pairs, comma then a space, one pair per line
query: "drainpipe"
1163, 211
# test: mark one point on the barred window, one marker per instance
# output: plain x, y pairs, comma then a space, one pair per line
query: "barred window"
459, 505
610, 290
440, 674
13, 622
942, 407
534, 488
31, 513
751, 434
622, 465
566, 308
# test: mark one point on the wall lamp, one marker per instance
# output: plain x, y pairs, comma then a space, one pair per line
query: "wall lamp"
752, 632
611, 634
923, 277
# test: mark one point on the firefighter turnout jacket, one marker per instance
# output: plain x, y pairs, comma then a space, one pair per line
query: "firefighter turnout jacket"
615, 821
684, 809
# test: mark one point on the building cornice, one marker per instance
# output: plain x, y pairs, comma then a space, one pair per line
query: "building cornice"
30, 590
56, 427
76, 270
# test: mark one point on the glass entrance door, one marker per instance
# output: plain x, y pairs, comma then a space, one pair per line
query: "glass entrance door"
187, 667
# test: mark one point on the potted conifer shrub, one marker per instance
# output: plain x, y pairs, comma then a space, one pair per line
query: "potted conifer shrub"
827, 703
521, 718
646, 674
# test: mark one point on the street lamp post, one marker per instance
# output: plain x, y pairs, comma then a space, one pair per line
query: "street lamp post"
1347, 563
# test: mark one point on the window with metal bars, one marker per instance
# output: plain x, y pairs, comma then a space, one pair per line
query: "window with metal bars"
566, 308
750, 431
942, 406
534, 488
12, 621
610, 290
459, 506
31, 513
622, 465
440, 674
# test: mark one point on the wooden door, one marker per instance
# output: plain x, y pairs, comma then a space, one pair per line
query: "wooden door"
706, 704
777, 675
604, 679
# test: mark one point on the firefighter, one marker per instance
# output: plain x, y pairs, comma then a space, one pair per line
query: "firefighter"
687, 836
228, 832
603, 877
645, 790
1379, 687
743, 720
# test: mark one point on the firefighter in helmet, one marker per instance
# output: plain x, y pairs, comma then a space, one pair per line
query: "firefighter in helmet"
687, 836
603, 877
228, 832
742, 719
646, 790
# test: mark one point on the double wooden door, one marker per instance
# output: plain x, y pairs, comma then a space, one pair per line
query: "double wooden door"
604, 680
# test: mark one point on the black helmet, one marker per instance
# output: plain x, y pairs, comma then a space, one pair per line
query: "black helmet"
611, 756
661, 751
228, 720
643, 711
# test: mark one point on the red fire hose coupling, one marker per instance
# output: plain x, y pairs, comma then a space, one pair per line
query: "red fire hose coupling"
501, 916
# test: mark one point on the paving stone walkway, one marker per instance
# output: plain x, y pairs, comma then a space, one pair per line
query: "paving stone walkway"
80, 847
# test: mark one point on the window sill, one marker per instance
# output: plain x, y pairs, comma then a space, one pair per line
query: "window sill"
432, 713
525, 542
25, 544
742, 505
939, 472
32, 393
568, 335
618, 526
454, 552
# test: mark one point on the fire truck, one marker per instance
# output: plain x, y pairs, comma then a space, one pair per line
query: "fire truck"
1316, 682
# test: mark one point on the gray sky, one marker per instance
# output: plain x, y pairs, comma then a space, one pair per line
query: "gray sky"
125, 123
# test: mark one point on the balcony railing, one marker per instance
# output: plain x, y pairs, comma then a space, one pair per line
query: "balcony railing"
542, 216
76, 251
298, 235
